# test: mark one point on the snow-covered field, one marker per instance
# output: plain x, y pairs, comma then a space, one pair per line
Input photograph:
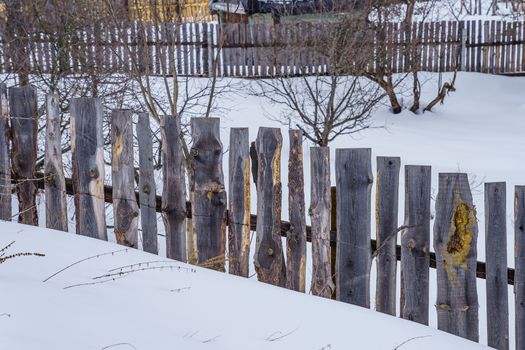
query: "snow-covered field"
164, 304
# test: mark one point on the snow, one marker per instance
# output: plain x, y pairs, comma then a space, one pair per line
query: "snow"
177, 307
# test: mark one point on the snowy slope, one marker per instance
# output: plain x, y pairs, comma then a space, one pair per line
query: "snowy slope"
178, 307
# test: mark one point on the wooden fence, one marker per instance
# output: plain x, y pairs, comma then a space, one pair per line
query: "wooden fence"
259, 50
219, 219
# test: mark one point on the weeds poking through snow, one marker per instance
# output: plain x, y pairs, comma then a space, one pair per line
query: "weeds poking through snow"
5, 314
211, 339
118, 344
279, 335
4, 257
409, 340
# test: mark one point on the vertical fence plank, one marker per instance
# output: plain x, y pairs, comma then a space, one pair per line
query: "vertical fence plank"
415, 245
455, 238
5, 167
296, 236
208, 193
321, 213
354, 184
55, 183
24, 116
173, 188
269, 257
519, 275
387, 203
239, 203
147, 186
87, 147
125, 209
496, 256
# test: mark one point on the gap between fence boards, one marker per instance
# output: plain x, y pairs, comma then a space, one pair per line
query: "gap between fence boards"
285, 226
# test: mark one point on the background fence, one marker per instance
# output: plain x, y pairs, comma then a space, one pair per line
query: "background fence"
340, 231
259, 50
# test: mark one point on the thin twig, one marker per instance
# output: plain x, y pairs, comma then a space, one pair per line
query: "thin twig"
85, 259
93, 283
118, 344
272, 338
409, 340
389, 237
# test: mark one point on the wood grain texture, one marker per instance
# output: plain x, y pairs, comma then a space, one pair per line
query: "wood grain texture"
415, 245
519, 276
55, 182
455, 238
125, 208
354, 184
387, 203
147, 186
87, 147
173, 189
239, 203
24, 126
269, 256
320, 214
5, 162
208, 192
496, 256
296, 236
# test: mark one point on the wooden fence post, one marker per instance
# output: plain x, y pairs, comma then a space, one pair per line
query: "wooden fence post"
173, 189
519, 275
296, 236
239, 203
320, 213
269, 257
387, 203
5, 164
208, 193
415, 245
24, 126
455, 238
125, 207
55, 183
147, 187
354, 184
87, 147
496, 257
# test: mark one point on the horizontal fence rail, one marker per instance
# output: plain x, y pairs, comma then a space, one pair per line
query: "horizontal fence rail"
260, 49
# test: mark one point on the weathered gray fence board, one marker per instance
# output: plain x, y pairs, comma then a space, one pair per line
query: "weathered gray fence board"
87, 147
239, 202
125, 209
24, 126
387, 203
5, 163
269, 257
208, 193
147, 186
496, 256
173, 189
296, 236
455, 238
320, 212
354, 184
519, 276
55, 183
415, 245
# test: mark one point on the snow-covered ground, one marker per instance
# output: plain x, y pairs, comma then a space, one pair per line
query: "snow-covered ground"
154, 303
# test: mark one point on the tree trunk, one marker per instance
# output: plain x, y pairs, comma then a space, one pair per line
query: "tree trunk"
125, 209
208, 193
320, 213
5, 166
24, 124
519, 276
455, 238
55, 183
